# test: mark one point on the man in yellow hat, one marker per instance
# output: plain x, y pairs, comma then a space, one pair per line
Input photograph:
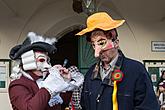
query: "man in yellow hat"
115, 82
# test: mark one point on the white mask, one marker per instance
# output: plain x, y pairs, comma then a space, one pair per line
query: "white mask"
42, 61
36, 61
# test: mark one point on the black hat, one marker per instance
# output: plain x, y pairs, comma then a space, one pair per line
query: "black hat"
33, 42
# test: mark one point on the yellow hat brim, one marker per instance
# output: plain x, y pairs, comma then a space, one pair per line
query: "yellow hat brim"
102, 26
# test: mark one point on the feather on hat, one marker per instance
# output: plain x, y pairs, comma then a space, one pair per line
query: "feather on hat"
33, 42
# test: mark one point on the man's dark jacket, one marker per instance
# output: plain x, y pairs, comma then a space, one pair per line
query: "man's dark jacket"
135, 91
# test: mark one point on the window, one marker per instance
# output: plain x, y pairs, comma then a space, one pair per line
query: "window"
5, 70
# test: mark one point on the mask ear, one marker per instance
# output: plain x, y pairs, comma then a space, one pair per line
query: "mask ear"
116, 43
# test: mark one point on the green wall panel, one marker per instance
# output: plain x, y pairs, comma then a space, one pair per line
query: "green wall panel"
85, 54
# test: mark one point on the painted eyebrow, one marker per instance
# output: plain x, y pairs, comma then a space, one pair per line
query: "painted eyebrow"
41, 56
100, 40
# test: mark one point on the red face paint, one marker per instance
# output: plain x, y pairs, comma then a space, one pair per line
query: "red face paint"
109, 45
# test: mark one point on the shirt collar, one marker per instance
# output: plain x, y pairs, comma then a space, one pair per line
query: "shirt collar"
96, 71
112, 63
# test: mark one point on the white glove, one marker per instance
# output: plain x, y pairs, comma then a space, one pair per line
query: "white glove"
54, 83
55, 100
77, 78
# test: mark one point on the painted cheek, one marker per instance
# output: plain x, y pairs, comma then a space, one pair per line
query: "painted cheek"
47, 65
109, 45
43, 66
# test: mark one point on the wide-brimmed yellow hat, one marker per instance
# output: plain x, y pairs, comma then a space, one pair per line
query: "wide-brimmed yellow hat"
100, 20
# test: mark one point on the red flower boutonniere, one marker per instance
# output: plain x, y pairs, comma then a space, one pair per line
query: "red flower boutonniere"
117, 75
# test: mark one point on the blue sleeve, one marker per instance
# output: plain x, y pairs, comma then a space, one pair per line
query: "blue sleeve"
145, 98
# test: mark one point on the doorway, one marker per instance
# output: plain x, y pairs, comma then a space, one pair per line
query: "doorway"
76, 49
67, 48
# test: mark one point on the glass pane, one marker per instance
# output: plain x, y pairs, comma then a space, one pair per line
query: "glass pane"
2, 84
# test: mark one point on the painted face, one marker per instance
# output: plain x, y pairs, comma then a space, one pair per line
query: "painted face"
42, 61
101, 43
